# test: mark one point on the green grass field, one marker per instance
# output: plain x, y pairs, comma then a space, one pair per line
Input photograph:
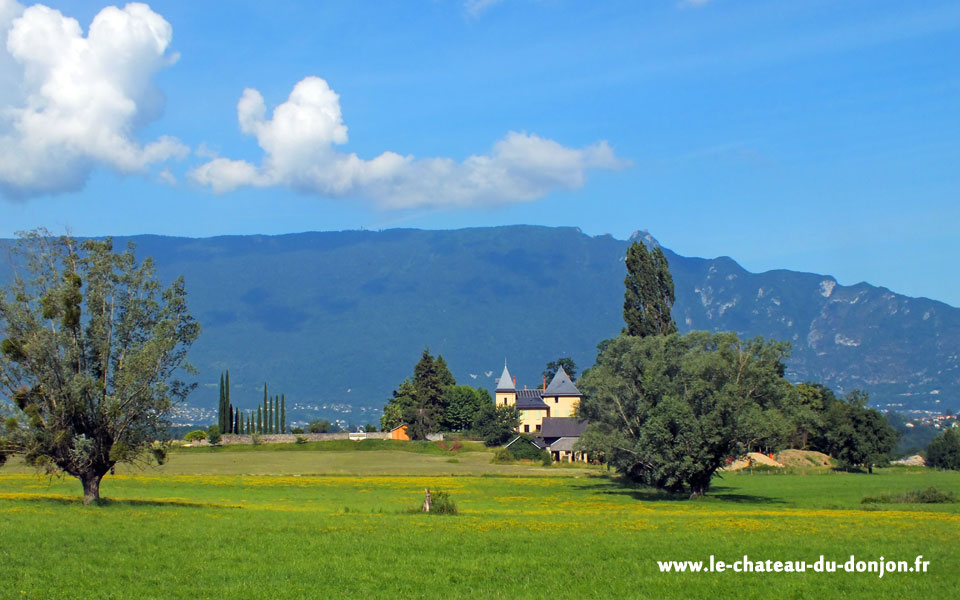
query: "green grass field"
323, 523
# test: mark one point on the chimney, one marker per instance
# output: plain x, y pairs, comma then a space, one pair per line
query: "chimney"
514, 381
544, 383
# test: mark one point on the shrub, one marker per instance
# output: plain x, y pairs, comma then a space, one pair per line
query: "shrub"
300, 440
256, 439
319, 426
442, 503
213, 435
297, 430
525, 449
930, 495
502, 457
195, 435
546, 460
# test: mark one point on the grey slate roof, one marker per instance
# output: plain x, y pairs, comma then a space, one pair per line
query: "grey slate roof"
561, 385
564, 444
558, 427
530, 399
505, 383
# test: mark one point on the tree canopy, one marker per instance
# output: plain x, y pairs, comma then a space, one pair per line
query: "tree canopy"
420, 402
944, 451
90, 345
668, 411
554, 366
649, 294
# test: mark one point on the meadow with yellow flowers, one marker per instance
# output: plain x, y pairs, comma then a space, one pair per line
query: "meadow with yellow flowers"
326, 524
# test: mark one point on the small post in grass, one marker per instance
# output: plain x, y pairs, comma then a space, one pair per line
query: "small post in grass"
426, 501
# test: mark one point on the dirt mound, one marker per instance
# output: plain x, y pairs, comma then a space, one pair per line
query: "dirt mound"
754, 458
803, 458
912, 461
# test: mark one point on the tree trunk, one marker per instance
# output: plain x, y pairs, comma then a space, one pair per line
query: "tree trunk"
698, 487
91, 487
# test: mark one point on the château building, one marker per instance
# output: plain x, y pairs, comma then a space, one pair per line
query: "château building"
546, 412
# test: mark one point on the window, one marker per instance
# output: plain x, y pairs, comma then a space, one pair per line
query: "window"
556, 400
538, 428
526, 429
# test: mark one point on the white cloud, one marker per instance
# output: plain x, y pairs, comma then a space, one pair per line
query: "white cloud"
299, 142
75, 101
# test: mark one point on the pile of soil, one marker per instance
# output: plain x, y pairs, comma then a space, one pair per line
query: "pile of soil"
754, 458
803, 458
912, 461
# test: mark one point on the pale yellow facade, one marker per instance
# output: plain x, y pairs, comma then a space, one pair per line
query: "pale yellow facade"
561, 406
531, 420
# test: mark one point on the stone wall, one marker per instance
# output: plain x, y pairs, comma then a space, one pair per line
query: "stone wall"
289, 438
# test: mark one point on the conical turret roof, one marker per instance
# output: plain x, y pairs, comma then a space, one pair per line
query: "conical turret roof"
505, 383
561, 385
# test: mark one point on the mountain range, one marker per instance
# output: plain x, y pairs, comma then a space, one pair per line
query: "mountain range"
336, 320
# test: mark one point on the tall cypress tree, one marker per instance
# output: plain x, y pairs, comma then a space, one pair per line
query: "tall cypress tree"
265, 400
226, 400
249, 422
283, 414
649, 294
259, 421
221, 408
276, 414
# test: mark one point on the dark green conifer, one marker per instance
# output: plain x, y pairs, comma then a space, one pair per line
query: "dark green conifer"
283, 414
259, 420
222, 408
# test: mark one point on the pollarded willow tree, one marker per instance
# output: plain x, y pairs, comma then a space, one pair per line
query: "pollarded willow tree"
90, 345
667, 411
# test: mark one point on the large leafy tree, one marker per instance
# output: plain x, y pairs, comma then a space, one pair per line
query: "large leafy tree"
944, 450
649, 294
858, 436
496, 424
668, 411
90, 345
462, 404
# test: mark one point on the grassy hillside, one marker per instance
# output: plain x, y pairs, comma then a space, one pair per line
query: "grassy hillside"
189, 530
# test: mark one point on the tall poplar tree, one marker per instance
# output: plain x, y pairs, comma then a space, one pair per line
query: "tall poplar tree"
649, 294
283, 414
259, 421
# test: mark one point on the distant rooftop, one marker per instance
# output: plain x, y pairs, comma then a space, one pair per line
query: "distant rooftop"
561, 385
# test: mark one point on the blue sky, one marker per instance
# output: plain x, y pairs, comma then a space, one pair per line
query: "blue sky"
815, 136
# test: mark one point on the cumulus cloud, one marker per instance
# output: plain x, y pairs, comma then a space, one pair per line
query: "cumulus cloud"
299, 143
72, 101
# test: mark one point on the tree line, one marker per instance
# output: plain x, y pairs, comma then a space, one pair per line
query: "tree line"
270, 418
431, 401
